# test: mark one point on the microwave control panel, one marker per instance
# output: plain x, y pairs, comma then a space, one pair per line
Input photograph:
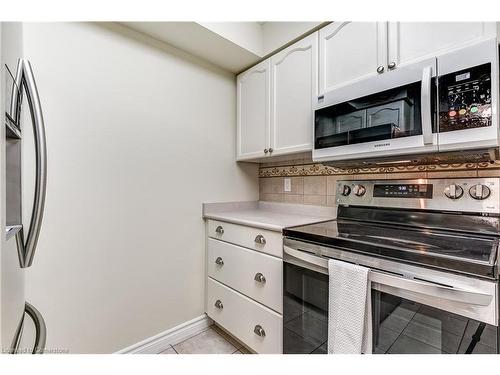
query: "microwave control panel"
465, 99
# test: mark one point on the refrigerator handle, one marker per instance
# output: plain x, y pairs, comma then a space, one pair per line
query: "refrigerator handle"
26, 82
41, 329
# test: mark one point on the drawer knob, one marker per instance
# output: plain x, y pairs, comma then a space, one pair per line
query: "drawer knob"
219, 304
259, 331
219, 230
380, 69
219, 261
260, 239
392, 65
260, 278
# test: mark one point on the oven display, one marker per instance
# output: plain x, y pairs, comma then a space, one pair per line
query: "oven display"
465, 99
403, 191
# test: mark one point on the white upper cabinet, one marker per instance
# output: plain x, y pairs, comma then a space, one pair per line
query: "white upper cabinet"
253, 116
294, 86
350, 51
276, 98
409, 41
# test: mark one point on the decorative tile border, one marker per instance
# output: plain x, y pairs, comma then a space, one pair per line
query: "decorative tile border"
317, 169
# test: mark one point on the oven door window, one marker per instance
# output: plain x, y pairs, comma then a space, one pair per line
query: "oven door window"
393, 113
401, 326
305, 311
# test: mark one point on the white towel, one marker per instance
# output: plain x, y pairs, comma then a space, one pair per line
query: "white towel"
349, 309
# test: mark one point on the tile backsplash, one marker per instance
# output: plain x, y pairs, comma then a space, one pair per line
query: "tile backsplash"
314, 183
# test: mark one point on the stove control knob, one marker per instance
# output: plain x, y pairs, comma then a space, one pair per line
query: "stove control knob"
346, 190
479, 191
453, 191
359, 190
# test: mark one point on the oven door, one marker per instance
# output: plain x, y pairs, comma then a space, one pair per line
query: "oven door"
390, 114
415, 310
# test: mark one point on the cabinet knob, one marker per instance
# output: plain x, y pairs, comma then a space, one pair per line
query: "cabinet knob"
259, 331
219, 230
380, 69
219, 304
219, 261
266, 151
260, 239
392, 65
271, 150
260, 278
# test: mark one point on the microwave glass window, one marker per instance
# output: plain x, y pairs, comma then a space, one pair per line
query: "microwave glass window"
401, 326
386, 115
465, 99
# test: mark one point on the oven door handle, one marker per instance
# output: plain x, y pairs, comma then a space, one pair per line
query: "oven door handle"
306, 259
430, 289
381, 280
426, 104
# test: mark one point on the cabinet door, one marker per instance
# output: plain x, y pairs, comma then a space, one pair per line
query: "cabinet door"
253, 118
294, 88
349, 51
410, 41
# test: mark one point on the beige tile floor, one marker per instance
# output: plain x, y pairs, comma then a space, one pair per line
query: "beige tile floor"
211, 341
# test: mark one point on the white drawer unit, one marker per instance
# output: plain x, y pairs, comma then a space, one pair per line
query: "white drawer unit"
256, 326
262, 240
258, 276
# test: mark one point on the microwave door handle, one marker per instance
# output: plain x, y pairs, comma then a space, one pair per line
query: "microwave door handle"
426, 110
430, 289
27, 248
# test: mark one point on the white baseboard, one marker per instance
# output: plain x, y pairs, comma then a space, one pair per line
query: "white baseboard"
162, 341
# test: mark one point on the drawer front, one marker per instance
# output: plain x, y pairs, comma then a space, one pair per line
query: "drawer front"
262, 240
258, 276
243, 317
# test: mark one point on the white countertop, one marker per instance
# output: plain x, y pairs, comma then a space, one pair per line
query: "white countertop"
267, 215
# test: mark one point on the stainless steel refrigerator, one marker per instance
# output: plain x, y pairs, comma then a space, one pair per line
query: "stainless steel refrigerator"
21, 113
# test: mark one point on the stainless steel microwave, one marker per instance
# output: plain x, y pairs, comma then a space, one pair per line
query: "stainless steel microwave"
439, 104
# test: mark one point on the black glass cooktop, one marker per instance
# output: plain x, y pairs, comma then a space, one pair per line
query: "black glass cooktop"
465, 252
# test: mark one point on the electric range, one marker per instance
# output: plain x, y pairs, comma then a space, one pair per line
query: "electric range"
432, 249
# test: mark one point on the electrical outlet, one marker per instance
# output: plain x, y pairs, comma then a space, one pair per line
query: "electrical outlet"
287, 182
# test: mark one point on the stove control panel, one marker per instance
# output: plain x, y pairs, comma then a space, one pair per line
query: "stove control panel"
480, 195
403, 190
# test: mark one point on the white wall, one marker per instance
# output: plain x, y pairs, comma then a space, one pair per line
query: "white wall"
139, 135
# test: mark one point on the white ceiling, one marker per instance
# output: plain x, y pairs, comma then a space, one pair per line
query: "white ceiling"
234, 46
